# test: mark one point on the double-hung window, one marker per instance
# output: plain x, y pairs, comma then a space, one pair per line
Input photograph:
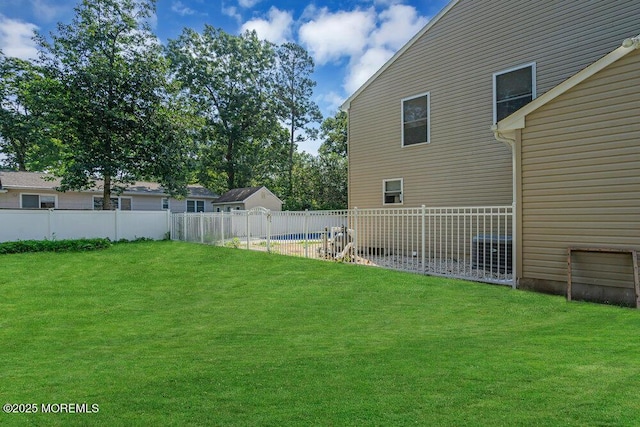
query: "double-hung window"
513, 89
392, 191
195, 205
37, 201
122, 203
415, 120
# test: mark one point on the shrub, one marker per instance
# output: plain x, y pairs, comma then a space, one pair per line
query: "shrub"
136, 240
233, 243
76, 245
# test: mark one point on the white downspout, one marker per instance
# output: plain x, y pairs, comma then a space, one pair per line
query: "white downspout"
511, 142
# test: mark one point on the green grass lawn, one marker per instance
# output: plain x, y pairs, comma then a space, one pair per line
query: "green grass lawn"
169, 333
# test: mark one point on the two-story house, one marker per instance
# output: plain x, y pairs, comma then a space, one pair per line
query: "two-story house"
442, 123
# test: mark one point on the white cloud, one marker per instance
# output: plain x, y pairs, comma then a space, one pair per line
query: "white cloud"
247, 4
331, 36
384, 2
16, 38
182, 9
398, 24
48, 12
331, 102
231, 11
363, 67
367, 38
276, 29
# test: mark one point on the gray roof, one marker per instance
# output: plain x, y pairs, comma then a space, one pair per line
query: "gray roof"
237, 195
43, 181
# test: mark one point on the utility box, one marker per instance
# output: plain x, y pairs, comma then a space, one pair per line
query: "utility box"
492, 253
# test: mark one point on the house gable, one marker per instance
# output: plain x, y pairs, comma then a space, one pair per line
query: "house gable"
505, 128
454, 60
247, 198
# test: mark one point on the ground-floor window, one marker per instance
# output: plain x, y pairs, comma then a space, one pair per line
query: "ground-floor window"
121, 203
37, 201
392, 191
195, 205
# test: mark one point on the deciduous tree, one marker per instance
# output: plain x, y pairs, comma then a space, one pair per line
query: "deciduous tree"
25, 122
119, 124
230, 79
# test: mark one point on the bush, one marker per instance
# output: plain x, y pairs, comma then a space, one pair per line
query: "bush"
136, 240
77, 245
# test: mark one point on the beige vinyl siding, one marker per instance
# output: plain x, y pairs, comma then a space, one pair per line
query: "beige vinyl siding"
454, 61
581, 179
263, 198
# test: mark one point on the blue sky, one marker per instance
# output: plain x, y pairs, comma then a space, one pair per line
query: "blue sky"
348, 40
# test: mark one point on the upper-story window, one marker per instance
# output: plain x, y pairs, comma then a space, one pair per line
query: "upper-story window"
415, 120
513, 89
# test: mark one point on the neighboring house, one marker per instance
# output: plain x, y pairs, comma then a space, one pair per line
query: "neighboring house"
420, 130
247, 198
30, 190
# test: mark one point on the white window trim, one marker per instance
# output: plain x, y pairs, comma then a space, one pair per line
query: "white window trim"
204, 205
508, 70
55, 199
428, 141
168, 208
119, 198
384, 189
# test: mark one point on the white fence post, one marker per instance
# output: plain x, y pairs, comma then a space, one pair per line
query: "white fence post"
269, 217
246, 214
423, 237
222, 227
355, 235
306, 233
514, 247
201, 219
49, 221
169, 224
116, 220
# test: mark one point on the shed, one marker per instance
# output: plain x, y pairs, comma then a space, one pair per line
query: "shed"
247, 198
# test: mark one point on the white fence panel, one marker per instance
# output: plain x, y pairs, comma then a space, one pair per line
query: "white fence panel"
82, 225
24, 225
69, 224
475, 243
149, 224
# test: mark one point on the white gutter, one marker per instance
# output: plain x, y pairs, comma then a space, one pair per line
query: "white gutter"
499, 136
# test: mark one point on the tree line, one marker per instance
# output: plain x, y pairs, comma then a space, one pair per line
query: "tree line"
106, 101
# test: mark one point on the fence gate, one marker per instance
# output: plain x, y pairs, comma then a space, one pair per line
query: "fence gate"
258, 226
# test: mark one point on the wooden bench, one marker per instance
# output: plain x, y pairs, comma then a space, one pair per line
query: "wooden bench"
634, 259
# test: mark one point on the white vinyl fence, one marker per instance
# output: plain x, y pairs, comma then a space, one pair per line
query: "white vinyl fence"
37, 224
475, 243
